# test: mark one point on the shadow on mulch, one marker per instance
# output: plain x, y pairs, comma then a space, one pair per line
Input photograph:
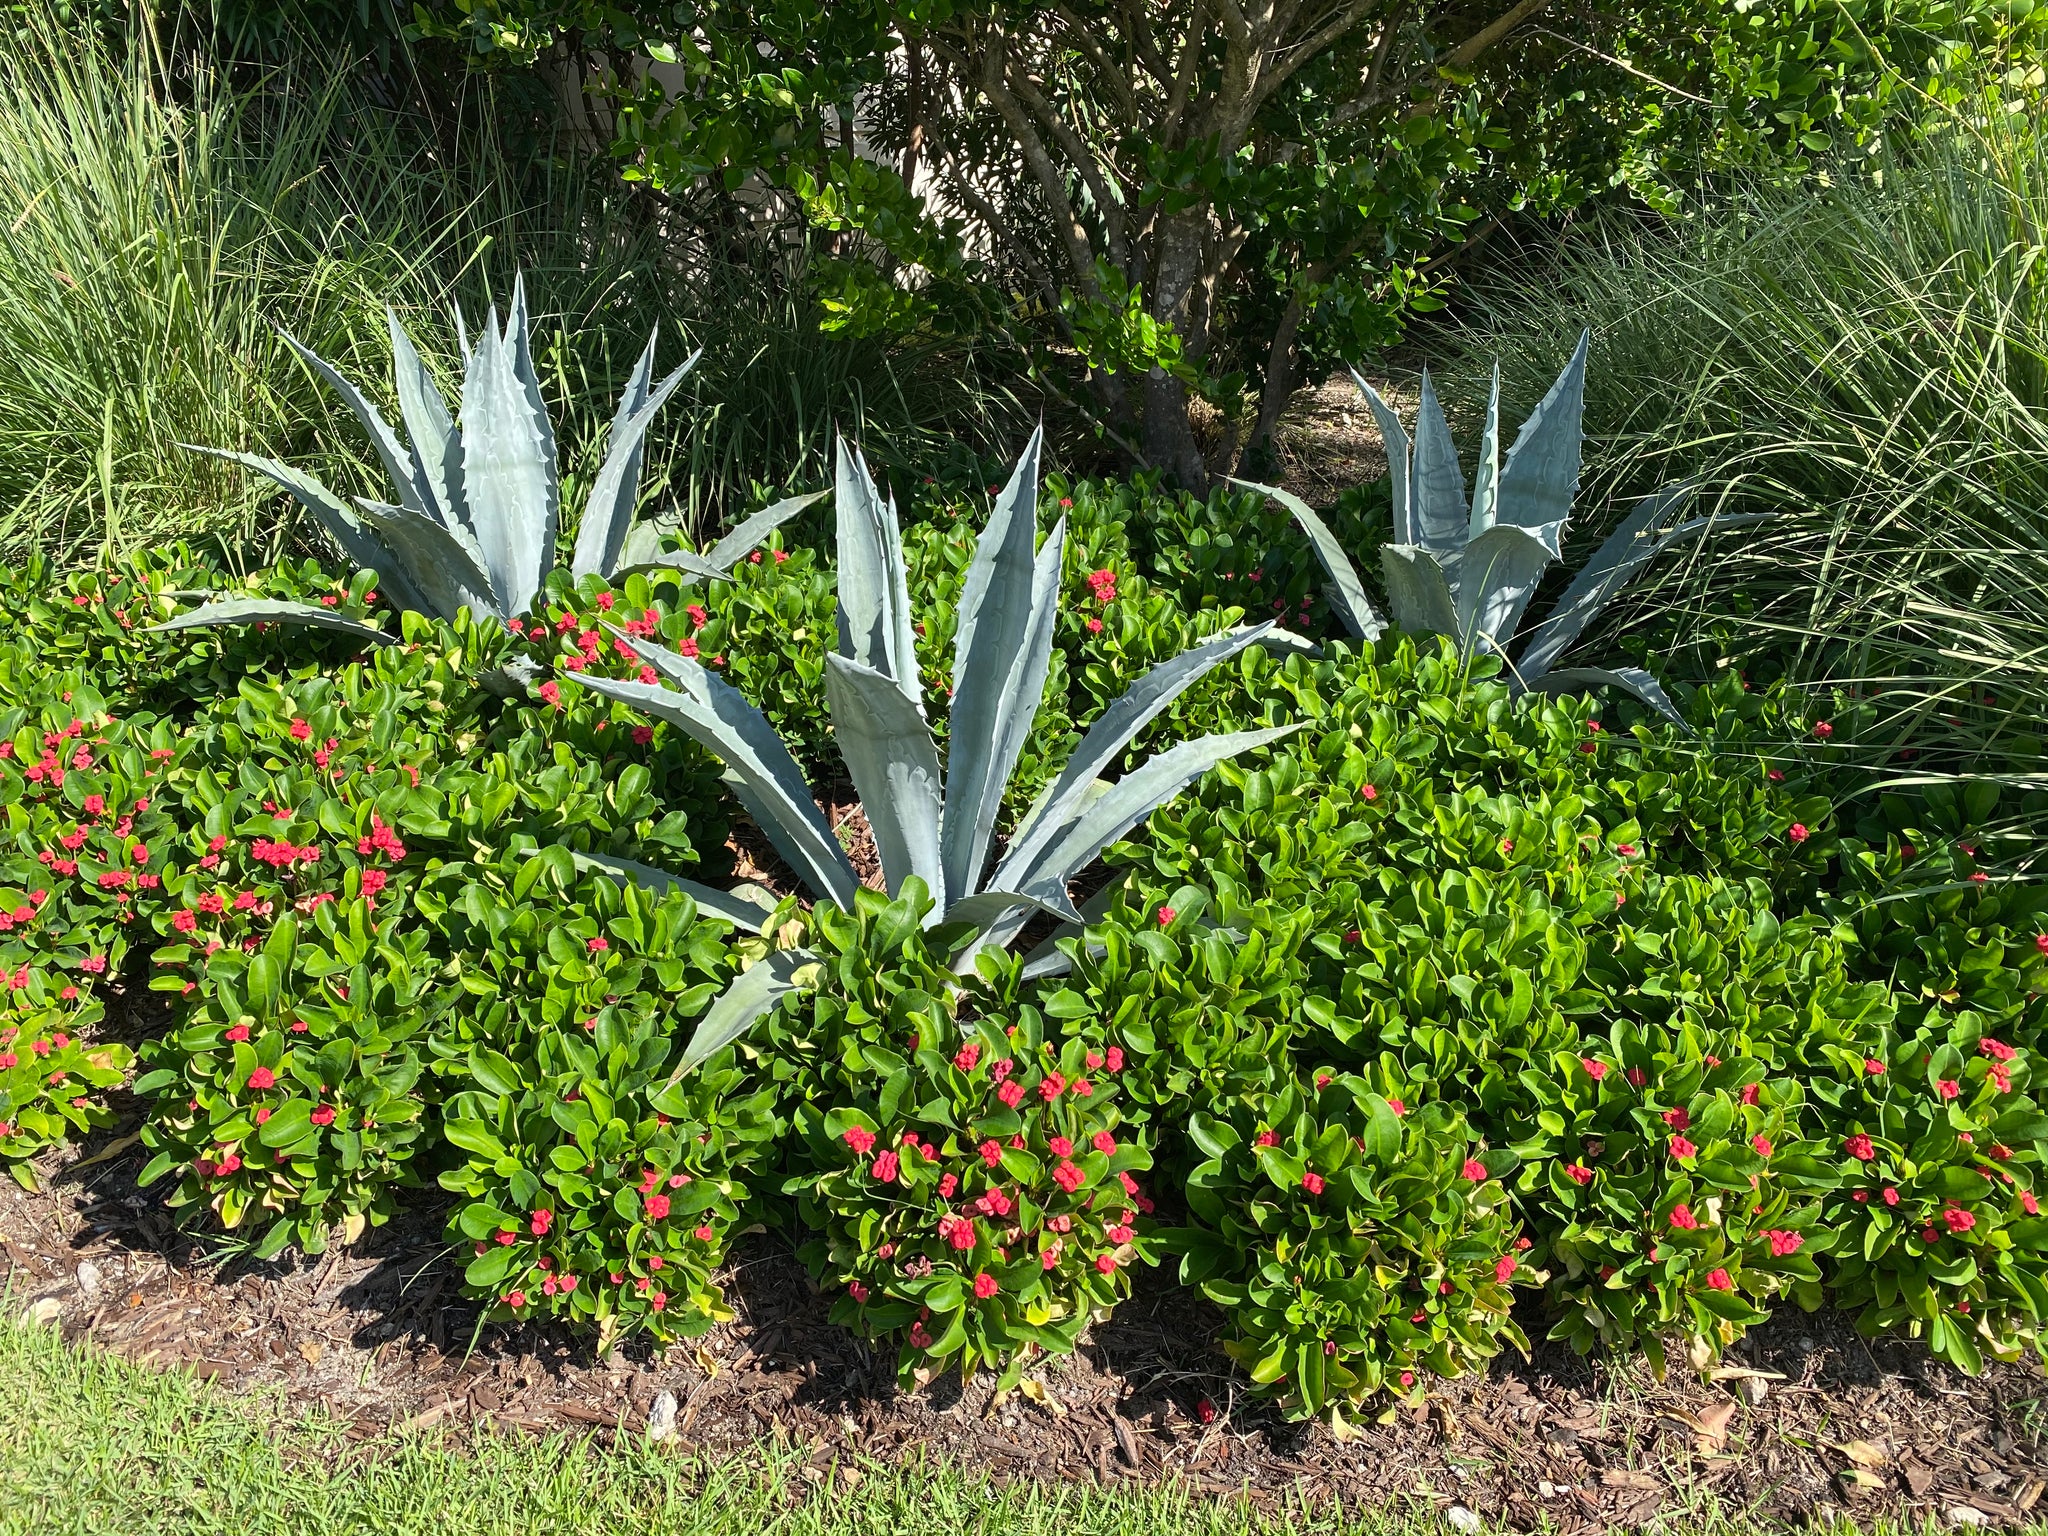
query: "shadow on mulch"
377, 1335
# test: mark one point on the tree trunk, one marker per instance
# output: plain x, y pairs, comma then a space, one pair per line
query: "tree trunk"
1168, 436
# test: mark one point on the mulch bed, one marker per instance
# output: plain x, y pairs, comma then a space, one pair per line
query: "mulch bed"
1822, 1423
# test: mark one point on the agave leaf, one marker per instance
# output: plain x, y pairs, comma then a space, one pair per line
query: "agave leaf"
444, 561
730, 550
1440, 517
1048, 959
762, 773
1496, 578
1400, 459
1114, 730
985, 908
616, 491
874, 602
1109, 815
507, 471
1486, 474
1634, 679
1345, 591
894, 765
1417, 590
264, 610
746, 907
1632, 545
436, 450
1281, 642
752, 994
1542, 471
516, 339
1002, 650
397, 460
363, 549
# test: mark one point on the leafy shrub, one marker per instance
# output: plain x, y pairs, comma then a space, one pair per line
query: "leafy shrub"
971, 1182
50, 1077
289, 1096
1354, 1241
1933, 1139
601, 1189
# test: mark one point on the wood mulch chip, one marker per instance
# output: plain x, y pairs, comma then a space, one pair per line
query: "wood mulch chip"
1807, 1419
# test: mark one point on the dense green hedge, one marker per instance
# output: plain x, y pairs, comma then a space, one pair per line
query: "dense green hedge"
1450, 998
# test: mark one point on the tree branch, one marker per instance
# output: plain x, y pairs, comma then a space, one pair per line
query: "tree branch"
1184, 74
1490, 34
1345, 21
1108, 199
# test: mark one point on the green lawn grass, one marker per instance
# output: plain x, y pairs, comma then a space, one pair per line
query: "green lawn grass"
92, 1445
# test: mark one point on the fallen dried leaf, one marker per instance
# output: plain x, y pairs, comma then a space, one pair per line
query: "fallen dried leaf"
1035, 1390
433, 1413
310, 1350
1126, 1442
1863, 1454
1622, 1479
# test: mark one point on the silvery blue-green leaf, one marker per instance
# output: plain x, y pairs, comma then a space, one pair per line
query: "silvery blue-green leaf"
436, 451
742, 1005
397, 460
1542, 471
1129, 801
362, 548
1400, 462
746, 907
894, 766
1417, 590
874, 601
264, 610
1496, 578
1441, 520
443, 560
1632, 545
508, 472
735, 546
1048, 959
1345, 591
762, 774
1634, 679
1486, 474
1275, 641
511, 678
616, 492
1058, 805
1002, 649
521, 352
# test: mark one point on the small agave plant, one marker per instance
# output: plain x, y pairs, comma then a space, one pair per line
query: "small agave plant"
1469, 573
477, 508
936, 823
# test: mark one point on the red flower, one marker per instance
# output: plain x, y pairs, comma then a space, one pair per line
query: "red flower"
2029, 1204
1475, 1170
515, 1298
1797, 832
1958, 1220
703, 1234
1166, 915
1859, 1147
324, 1115
599, 945
1677, 1119
1397, 1107
1823, 730
1051, 1088
985, 1286
1578, 1173
1751, 1092
1948, 1087
1762, 1145
1369, 793
1997, 1050
1104, 1143
967, 1056
860, 1138
1683, 1220
1636, 1077
958, 1231
1011, 1093
1681, 1148
262, 1077
540, 1223
1060, 1147
1784, 1243
885, 1167
1105, 1263
856, 1290
301, 731
657, 1207
1068, 1176
1205, 1411
1719, 1280
1891, 1197
1594, 1069
1312, 1182
1873, 1067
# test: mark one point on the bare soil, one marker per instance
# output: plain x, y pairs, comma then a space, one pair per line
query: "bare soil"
1808, 1420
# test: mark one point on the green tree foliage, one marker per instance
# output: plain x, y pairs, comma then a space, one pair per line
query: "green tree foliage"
1217, 198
